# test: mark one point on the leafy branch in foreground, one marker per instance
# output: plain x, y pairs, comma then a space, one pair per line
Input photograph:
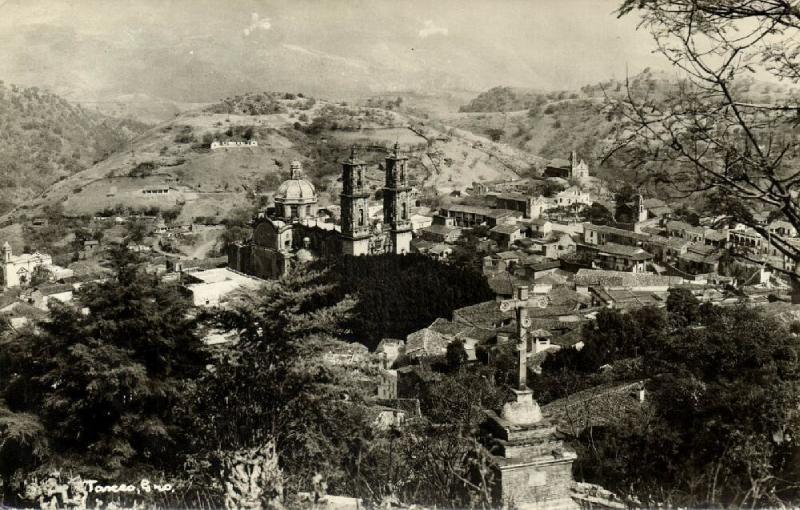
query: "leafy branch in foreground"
709, 131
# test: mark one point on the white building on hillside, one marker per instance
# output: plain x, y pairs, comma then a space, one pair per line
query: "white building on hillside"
216, 144
572, 195
18, 269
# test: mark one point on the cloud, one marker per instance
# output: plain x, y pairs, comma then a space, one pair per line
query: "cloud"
430, 28
257, 23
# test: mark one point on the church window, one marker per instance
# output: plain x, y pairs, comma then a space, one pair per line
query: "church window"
405, 211
359, 178
294, 211
361, 217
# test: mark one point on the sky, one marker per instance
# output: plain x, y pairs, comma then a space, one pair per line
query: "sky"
197, 50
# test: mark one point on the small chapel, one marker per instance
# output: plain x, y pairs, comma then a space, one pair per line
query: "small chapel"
292, 232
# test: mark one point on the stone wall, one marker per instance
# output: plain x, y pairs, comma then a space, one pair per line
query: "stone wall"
547, 486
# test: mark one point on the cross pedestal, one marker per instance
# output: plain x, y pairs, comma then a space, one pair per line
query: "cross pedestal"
523, 410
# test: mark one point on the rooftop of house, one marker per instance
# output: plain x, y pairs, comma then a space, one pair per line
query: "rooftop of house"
440, 229
54, 288
422, 244
482, 314
519, 197
479, 210
616, 231
447, 328
480, 335
781, 224
506, 229
572, 190
564, 296
702, 249
700, 258
426, 342
439, 249
550, 279
623, 279
551, 311
676, 243
567, 339
682, 225
221, 274
503, 283
629, 299
510, 255
606, 404
622, 250
545, 264
715, 235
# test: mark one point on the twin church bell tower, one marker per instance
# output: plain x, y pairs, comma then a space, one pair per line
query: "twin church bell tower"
356, 231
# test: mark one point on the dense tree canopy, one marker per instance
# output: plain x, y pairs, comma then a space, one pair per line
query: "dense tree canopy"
102, 376
723, 389
397, 295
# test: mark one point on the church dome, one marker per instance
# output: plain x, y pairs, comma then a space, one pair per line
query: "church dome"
296, 188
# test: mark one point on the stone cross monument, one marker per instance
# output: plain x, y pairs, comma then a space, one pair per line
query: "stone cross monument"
533, 467
524, 410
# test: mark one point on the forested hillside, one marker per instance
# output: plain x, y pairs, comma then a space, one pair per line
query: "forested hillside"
553, 124
508, 99
44, 138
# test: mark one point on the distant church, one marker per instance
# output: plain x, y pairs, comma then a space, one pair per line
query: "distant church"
567, 169
293, 233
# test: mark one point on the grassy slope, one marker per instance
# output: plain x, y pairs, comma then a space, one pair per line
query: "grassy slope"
213, 183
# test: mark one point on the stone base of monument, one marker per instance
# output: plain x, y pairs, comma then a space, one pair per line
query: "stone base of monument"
523, 410
533, 468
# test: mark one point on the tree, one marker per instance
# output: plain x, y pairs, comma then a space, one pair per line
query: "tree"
682, 306
550, 188
708, 131
683, 213
431, 289
40, 275
455, 356
721, 395
136, 231
104, 385
275, 383
495, 134
597, 213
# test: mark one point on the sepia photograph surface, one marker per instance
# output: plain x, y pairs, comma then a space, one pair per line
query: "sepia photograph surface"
382, 254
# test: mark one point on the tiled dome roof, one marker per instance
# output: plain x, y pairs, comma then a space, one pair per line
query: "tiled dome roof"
295, 188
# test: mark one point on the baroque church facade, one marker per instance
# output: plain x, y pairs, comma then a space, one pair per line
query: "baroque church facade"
293, 233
